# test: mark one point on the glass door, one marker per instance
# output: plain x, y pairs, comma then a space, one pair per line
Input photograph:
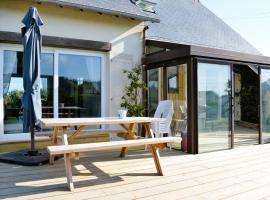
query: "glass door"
153, 88
265, 105
214, 106
176, 91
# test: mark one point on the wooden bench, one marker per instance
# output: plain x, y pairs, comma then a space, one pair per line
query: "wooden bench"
74, 149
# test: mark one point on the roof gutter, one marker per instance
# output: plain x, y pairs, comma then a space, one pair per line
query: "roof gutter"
102, 10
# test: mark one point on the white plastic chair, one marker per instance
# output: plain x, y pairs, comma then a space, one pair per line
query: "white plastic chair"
164, 110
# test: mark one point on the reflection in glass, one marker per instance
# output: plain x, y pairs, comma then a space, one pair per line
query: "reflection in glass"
177, 93
153, 90
46, 89
79, 86
265, 95
13, 89
214, 90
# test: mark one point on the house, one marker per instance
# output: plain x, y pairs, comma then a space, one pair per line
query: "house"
86, 46
190, 56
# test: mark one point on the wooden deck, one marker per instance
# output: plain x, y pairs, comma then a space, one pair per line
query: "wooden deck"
242, 173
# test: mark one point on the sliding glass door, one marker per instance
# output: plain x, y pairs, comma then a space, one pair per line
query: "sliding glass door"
214, 106
265, 105
176, 82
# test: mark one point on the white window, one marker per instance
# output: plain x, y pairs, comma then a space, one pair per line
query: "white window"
72, 85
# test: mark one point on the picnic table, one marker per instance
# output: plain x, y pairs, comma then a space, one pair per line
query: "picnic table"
127, 124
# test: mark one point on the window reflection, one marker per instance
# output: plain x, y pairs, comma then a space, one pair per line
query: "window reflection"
214, 84
177, 93
13, 89
79, 86
265, 88
153, 90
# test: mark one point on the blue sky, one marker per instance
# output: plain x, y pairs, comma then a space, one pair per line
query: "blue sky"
250, 18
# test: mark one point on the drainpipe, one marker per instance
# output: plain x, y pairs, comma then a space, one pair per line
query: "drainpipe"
144, 76
144, 42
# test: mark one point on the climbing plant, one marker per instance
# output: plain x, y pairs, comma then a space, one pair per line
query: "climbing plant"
132, 98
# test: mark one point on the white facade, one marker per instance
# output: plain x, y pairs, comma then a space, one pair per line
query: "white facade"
124, 34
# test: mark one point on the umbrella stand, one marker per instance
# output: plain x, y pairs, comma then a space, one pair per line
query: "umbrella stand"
33, 151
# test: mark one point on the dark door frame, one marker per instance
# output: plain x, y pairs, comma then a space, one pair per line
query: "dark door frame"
260, 104
231, 105
231, 63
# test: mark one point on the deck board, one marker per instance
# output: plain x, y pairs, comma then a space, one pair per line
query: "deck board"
242, 173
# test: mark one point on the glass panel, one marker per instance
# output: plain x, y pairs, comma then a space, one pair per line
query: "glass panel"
79, 86
246, 101
177, 92
46, 89
265, 93
214, 90
153, 90
13, 89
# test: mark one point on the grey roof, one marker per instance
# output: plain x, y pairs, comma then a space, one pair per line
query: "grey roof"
189, 22
115, 7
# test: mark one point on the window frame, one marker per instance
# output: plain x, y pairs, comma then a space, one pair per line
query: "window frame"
56, 52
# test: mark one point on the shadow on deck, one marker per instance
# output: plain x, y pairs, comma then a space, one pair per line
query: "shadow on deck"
92, 172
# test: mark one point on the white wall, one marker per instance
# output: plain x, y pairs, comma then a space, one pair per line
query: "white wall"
124, 34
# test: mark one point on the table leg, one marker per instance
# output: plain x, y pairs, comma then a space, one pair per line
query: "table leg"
68, 166
154, 151
55, 142
55, 135
130, 135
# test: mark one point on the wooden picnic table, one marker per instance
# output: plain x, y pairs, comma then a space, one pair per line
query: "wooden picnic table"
128, 125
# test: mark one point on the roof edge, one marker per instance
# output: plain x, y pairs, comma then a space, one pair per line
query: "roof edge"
159, 39
103, 10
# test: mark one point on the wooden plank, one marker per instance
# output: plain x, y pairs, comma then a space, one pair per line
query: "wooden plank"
72, 148
161, 44
70, 122
51, 41
205, 175
181, 51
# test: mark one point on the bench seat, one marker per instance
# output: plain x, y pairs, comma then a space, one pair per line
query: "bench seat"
69, 150
78, 148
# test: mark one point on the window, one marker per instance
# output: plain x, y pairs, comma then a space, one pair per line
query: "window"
13, 89
79, 86
70, 87
172, 73
145, 5
153, 90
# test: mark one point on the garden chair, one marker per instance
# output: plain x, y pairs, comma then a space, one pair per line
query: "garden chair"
164, 110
